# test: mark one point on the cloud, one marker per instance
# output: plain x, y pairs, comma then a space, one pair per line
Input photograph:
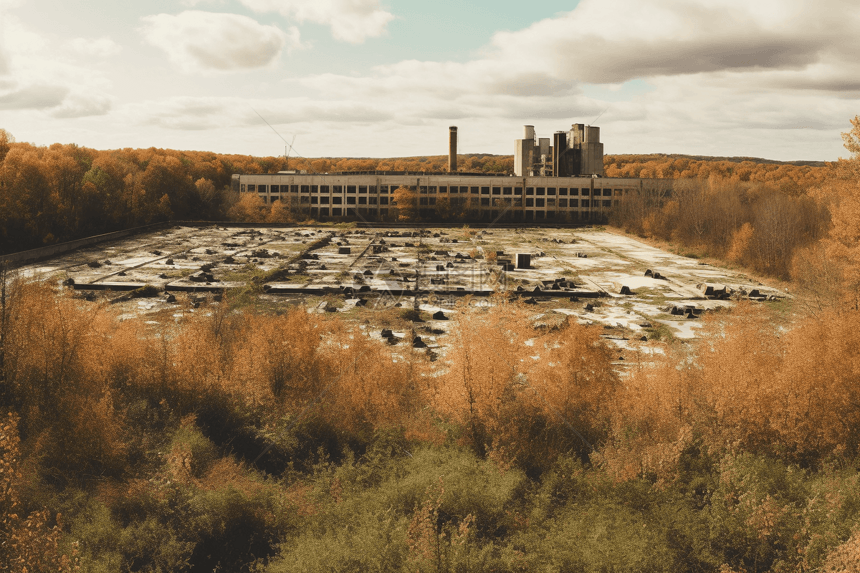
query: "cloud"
206, 41
42, 96
351, 21
611, 41
206, 113
41, 77
83, 105
94, 47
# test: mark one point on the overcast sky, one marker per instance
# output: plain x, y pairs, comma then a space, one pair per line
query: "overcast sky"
778, 79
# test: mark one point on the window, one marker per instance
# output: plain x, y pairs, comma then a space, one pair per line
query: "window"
432, 200
361, 200
539, 202
294, 188
540, 214
530, 202
530, 190
497, 190
586, 192
261, 188
574, 202
350, 188
507, 191
383, 200
243, 187
350, 200
550, 202
607, 202
324, 212
618, 192
374, 200
607, 192
422, 190
474, 190
454, 189
337, 200
518, 190
422, 200
574, 191
562, 202
383, 189
336, 211
306, 188
276, 189
305, 199
315, 200
485, 201
324, 200
562, 191
251, 188
337, 189
362, 189
431, 190
324, 189
550, 190
585, 202
372, 189
485, 190
443, 189
541, 191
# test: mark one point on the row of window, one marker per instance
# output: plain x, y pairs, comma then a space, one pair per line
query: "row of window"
427, 190
337, 200
485, 202
383, 213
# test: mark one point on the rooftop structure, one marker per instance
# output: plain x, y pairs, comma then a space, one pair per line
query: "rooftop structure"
577, 152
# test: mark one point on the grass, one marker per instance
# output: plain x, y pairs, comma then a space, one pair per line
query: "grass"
661, 332
247, 273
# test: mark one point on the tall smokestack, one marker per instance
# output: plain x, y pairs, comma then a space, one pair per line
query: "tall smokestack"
452, 149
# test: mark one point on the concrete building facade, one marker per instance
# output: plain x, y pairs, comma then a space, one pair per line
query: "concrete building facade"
481, 197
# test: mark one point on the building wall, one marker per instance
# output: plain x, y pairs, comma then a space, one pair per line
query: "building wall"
370, 196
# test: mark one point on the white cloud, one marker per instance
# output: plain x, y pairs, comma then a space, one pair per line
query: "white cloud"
83, 104
35, 96
40, 77
94, 47
207, 41
350, 20
610, 41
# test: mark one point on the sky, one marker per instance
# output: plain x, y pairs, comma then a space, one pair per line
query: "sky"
778, 79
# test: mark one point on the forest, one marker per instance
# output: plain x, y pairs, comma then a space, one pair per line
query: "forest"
244, 440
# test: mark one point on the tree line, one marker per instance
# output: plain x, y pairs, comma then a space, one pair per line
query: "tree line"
800, 225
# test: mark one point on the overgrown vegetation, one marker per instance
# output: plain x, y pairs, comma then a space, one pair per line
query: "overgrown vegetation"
240, 441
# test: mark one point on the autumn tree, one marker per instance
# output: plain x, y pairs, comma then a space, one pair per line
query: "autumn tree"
248, 209
842, 195
406, 201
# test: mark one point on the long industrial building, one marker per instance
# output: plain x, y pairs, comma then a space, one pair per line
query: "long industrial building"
534, 193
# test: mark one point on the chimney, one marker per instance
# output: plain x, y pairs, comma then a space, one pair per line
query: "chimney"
452, 149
